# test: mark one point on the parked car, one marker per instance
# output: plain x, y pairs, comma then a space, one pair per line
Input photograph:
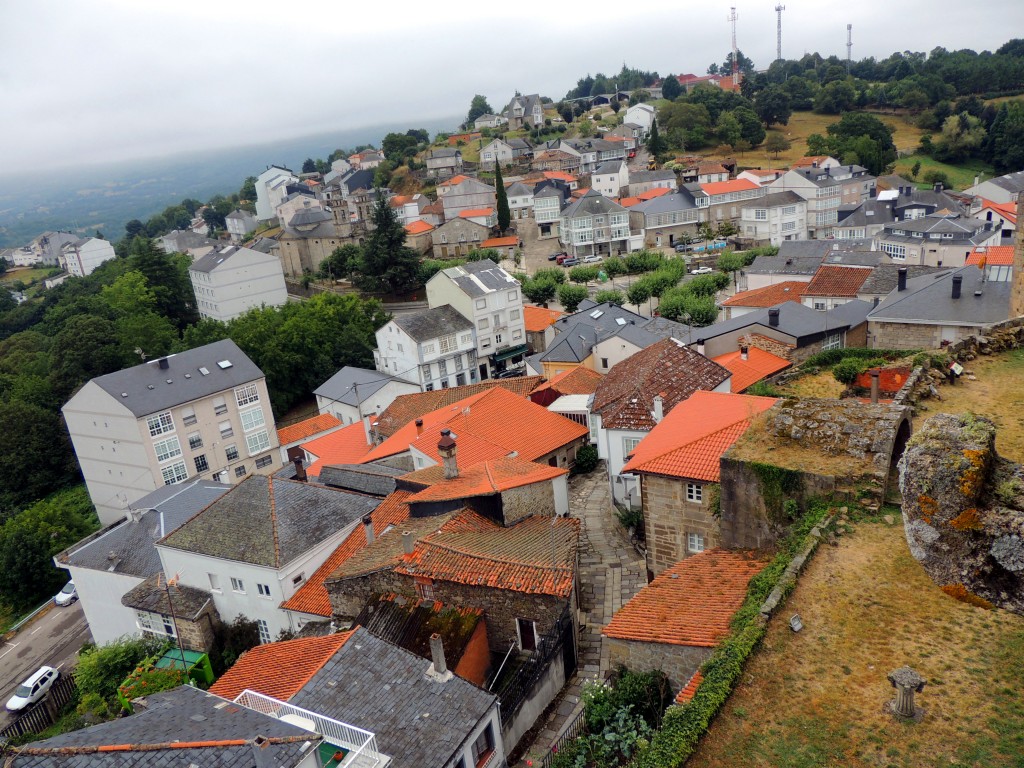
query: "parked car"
632, 154
66, 596
591, 259
512, 373
570, 261
701, 271
560, 257
33, 689
554, 256
683, 247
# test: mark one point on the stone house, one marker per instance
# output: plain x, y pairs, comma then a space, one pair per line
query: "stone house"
177, 612
539, 323
460, 193
457, 237
833, 286
444, 162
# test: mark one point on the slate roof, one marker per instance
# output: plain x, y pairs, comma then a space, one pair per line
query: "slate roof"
775, 199
853, 258
592, 203
218, 256
372, 684
769, 295
518, 189
157, 737
609, 166
641, 177
148, 388
758, 365
785, 265
1011, 182
269, 522
796, 320
307, 428
870, 212
308, 217
346, 383
929, 300
432, 323
625, 396
837, 281
480, 278
884, 277
371, 479
678, 200
132, 543
961, 228
690, 603
156, 596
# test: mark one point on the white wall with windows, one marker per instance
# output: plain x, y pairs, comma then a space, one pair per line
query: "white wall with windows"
439, 363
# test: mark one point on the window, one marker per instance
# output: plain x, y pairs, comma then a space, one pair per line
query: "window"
247, 394
481, 304
789, 210
483, 747
832, 341
694, 542
188, 416
426, 371
429, 349
226, 430
263, 461
264, 630
694, 492
154, 623
263, 590
789, 226
820, 306
252, 419
195, 440
174, 473
240, 470
604, 362
896, 252
629, 445
201, 464
257, 442
483, 323
760, 214
446, 344
425, 589
214, 581
298, 579
485, 343
497, 338
458, 362
238, 585
231, 452
219, 406
160, 424
466, 338
167, 449
442, 367
460, 379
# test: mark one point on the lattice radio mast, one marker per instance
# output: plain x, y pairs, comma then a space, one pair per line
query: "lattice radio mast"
735, 59
778, 45
849, 46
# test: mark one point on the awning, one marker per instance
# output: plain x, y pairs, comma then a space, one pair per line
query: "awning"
505, 354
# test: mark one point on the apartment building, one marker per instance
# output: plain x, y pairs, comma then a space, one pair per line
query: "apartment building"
230, 281
435, 348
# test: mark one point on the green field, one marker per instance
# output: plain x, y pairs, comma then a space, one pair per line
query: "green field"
960, 176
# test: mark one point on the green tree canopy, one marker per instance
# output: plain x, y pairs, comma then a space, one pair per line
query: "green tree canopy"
772, 105
671, 88
478, 106
610, 295
570, 296
387, 265
501, 195
1004, 147
776, 143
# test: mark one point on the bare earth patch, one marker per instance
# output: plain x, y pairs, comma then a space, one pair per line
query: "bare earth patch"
816, 698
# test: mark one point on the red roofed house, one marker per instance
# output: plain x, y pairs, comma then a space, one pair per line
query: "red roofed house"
575, 381
418, 236
486, 216
343, 446
294, 435
457, 237
834, 285
460, 193
540, 330
749, 365
762, 298
997, 261
677, 462
674, 623
506, 246
723, 200
1002, 215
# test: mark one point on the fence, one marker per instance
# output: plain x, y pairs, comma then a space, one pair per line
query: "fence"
44, 714
576, 728
519, 687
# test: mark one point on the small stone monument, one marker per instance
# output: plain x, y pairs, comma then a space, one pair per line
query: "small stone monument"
906, 682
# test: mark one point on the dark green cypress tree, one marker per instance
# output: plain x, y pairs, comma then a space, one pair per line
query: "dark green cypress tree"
504, 214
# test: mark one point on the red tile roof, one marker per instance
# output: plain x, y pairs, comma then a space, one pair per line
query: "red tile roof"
768, 296
345, 446
688, 690
457, 179
303, 429
650, 194
538, 319
992, 255
499, 242
560, 175
689, 442
625, 396
279, 669
810, 160
758, 365
418, 227
399, 200
475, 212
690, 603
711, 168
831, 280
484, 478
575, 381
734, 185
1007, 210
312, 596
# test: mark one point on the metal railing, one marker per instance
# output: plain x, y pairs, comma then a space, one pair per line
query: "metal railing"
361, 744
576, 728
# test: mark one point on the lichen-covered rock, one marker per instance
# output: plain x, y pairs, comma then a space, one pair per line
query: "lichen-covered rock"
963, 511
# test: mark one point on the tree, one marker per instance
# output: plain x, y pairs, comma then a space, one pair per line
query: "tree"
962, 136
387, 264
1004, 147
772, 106
611, 296
309, 165
133, 228
102, 668
750, 125
570, 296
800, 91
565, 110
583, 274
638, 293
655, 143
167, 277
817, 145
504, 214
615, 106
776, 143
478, 106
731, 263
848, 133
835, 98
728, 129
539, 291
670, 88
638, 97
248, 190
342, 262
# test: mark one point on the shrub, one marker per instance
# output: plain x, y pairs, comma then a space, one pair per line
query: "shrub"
763, 389
615, 297
847, 371
552, 274
586, 460
630, 517
102, 668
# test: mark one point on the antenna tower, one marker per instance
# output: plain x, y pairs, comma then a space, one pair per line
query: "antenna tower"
778, 45
735, 59
849, 46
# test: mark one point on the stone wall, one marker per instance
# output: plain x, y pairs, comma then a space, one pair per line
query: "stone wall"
771, 346
679, 662
669, 517
198, 635
526, 500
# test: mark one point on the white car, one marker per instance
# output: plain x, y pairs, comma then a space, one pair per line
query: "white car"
701, 271
66, 596
591, 259
33, 689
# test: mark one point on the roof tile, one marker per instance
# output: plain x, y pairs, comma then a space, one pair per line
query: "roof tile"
758, 365
344, 446
537, 319
769, 295
575, 381
992, 255
837, 281
307, 428
480, 479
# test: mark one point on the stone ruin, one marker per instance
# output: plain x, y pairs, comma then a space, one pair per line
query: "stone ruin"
963, 511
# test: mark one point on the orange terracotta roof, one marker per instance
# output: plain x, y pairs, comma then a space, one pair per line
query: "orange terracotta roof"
536, 555
761, 172
769, 296
709, 168
279, 669
388, 550
690, 603
992, 256
628, 202
500, 242
831, 280
303, 429
690, 440
457, 179
560, 175
688, 690
650, 194
734, 185
474, 212
345, 446
578, 193
484, 478
418, 227
1006, 210
758, 365
575, 381
399, 200
538, 319
809, 160
312, 596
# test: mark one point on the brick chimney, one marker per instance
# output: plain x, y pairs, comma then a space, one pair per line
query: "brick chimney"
446, 448
419, 427
300, 471
1017, 289
744, 352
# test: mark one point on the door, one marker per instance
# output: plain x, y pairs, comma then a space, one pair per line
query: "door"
527, 635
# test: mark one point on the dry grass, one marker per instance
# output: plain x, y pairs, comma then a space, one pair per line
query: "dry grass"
823, 385
816, 698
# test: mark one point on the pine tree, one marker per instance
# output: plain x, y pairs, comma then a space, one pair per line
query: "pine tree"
504, 214
387, 264
655, 144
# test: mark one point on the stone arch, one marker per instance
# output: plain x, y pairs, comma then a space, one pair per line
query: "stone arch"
899, 445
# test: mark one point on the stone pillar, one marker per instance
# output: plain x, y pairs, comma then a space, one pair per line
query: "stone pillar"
906, 682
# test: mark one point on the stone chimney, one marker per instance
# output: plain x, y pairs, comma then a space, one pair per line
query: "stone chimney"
957, 282
659, 408
419, 426
262, 757
901, 279
773, 317
368, 527
408, 542
446, 448
875, 373
300, 471
744, 352
439, 667
1017, 289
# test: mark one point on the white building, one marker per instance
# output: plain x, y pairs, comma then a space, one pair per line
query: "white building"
642, 115
491, 298
435, 348
230, 281
239, 224
822, 193
204, 412
520, 200
353, 393
596, 225
271, 190
610, 178
547, 210
775, 218
81, 257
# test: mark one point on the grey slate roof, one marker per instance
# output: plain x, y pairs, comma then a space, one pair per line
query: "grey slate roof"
155, 595
870, 212
609, 166
132, 542
776, 198
680, 200
1011, 182
371, 479
263, 244
344, 386
308, 217
840, 256
786, 265
361, 179
639, 177
884, 278
796, 320
218, 256
269, 522
445, 152
576, 335
181, 714
590, 204
958, 226
479, 278
148, 388
372, 684
517, 189
433, 323
929, 299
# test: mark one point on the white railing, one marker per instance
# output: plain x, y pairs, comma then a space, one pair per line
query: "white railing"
361, 745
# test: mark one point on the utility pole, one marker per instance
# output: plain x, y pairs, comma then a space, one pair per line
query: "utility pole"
735, 60
778, 45
849, 46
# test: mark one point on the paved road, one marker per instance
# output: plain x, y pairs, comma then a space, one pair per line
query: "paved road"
52, 638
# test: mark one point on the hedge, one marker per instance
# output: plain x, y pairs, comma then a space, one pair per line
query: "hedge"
830, 357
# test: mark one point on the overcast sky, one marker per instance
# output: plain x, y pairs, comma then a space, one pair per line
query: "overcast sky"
101, 80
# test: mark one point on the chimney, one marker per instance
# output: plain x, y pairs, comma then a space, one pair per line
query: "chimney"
408, 542
262, 757
300, 471
419, 426
700, 346
367, 431
814, 164
164, 363
938, 186
437, 654
957, 281
446, 448
873, 192
901, 279
773, 317
368, 527
659, 408
744, 352
874, 384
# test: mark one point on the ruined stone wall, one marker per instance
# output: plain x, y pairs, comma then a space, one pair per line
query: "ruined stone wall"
198, 635
534, 499
679, 662
669, 517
